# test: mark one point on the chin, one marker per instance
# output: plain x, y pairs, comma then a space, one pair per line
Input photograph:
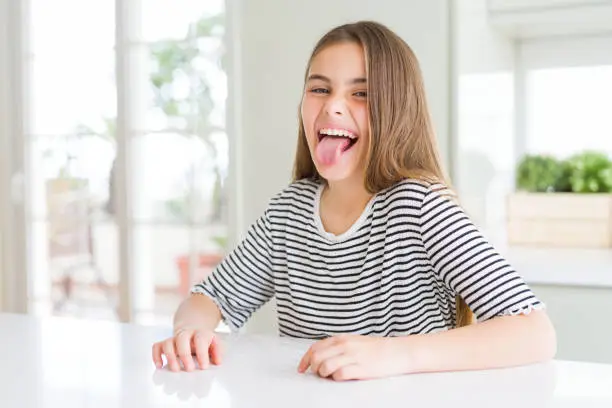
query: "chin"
338, 172
333, 175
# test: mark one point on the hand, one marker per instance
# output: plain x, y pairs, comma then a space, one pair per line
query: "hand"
353, 357
186, 344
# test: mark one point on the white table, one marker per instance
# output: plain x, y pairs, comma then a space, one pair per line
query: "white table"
68, 363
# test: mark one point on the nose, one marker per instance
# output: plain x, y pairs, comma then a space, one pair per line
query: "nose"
335, 106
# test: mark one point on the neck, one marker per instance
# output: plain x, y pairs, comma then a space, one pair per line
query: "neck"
348, 193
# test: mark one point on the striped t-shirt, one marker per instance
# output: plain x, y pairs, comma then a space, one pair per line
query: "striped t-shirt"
395, 272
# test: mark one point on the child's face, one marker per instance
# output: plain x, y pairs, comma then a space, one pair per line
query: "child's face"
335, 112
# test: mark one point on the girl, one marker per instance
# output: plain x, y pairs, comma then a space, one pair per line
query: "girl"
367, 250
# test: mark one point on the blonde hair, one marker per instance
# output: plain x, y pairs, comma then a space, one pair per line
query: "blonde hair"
402, 140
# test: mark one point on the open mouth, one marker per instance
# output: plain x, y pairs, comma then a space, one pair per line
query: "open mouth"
345, 138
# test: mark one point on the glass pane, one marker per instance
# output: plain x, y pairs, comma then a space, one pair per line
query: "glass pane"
176, 19
173, 179
172, 102
187, 87
75, 265
88, 159
209, 83
73, 93
211, 245
73, 242
168, 260
158, 252
576, 121
72, 28
73, 65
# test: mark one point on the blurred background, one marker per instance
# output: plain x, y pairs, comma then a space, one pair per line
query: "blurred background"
140, 138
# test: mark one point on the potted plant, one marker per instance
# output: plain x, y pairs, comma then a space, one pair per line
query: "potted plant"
562, 203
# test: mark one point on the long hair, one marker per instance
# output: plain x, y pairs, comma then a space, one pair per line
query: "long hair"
402, 140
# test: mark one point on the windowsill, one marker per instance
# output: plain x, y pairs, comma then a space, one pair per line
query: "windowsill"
562, 266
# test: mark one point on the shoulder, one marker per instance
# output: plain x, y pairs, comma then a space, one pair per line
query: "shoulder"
297, 195
416, 190
305, 189
413, 197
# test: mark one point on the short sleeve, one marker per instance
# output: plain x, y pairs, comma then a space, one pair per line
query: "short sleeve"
467, 263
243, 281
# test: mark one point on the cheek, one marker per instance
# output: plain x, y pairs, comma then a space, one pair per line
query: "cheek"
309, 111
363, 120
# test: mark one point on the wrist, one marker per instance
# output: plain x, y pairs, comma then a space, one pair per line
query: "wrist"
408, 352
182, 327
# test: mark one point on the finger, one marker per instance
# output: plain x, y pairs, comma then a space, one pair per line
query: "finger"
349, 372
320, 356
157, 355
201, 344
170, 353
333, 364
215, 351
305, 362
183, 349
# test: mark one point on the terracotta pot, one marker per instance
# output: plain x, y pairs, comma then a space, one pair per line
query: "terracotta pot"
206, 263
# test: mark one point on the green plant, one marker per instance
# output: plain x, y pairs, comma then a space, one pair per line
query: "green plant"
591, 172
221, 241
539, 173
585, 172
563, 184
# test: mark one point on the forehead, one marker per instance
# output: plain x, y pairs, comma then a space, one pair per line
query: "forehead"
345, 59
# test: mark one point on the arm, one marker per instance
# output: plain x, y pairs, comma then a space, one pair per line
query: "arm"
236, 288
197, 312
239, 285
513, 328
499, 342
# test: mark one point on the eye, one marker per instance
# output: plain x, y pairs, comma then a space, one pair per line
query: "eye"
319, 90
361, 94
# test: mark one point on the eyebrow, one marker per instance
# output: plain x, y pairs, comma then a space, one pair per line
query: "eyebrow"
323, 78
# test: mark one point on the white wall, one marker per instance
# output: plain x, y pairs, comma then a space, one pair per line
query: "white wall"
581, 316
484, 115
566, 51
275, 39
3, 59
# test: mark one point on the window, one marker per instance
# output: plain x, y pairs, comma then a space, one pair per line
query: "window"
568, 110
567, 95
164, 112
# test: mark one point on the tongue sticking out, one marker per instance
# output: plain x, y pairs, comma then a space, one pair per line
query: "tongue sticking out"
330, 149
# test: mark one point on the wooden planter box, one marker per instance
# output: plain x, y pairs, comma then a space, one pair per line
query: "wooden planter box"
560, 220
